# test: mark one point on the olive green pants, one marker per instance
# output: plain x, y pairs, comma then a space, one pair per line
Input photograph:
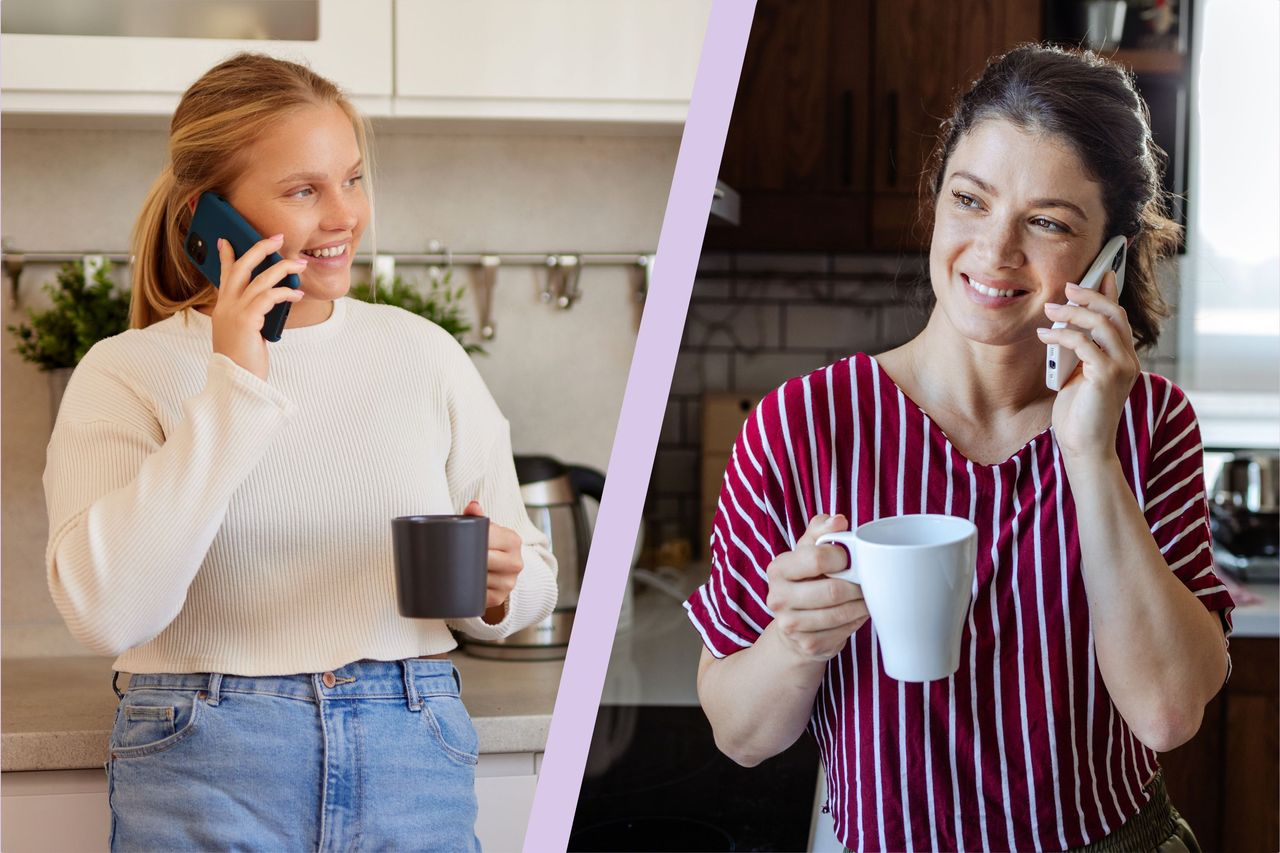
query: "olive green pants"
1157, 826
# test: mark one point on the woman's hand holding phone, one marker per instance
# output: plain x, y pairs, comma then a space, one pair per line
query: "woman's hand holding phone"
815, 614
1086, 412
242, 305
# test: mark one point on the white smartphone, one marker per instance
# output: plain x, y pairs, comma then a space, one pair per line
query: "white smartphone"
1060, 362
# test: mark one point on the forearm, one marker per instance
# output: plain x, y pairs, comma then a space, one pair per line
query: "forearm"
131, 521
760, 699
1160, 652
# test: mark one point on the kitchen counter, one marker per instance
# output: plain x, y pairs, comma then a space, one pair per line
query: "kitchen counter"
56, 713
1261, 619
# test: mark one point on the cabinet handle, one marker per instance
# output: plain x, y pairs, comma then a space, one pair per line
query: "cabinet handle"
846, 138
893, 139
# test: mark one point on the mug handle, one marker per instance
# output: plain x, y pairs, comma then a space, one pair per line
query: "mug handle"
845, 539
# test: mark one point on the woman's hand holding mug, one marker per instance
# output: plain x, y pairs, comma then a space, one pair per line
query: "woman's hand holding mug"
815, 614
243, 305
505, 563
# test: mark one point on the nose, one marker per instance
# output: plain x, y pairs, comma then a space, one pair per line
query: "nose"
1001, 243
342, 211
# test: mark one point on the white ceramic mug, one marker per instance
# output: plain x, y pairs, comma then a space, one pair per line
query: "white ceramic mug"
916, 573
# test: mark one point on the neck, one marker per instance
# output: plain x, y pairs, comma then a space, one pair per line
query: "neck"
306, 312
987, 382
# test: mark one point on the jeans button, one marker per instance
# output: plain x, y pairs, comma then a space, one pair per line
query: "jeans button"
328, 679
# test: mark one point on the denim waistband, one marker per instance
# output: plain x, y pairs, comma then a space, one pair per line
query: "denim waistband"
408, 679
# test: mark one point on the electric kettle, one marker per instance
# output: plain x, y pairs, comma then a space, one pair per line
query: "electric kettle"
552, 492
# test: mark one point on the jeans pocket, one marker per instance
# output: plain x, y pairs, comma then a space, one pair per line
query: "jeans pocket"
452, 727
152, 721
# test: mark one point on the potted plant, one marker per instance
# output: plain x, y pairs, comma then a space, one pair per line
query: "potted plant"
441, 304
82, 314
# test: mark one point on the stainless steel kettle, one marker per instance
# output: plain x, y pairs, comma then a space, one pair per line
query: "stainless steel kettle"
552, 493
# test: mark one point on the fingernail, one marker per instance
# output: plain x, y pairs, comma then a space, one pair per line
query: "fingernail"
1042, 332
303, 260
1072, 284
278, 238
220, 242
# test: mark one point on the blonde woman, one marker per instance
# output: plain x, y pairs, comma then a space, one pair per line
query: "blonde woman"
220, 506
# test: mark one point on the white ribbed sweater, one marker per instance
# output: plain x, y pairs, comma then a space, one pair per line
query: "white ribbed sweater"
203, 520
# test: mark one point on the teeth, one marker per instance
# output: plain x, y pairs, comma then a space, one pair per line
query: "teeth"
988, 291
331, 252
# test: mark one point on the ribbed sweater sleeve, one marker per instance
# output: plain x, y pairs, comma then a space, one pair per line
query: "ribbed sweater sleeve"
480, 467
132, 512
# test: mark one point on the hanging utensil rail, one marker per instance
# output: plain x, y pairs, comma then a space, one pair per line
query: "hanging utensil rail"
533, 259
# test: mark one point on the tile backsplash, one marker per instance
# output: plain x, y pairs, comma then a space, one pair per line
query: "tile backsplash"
558, 375
756, 320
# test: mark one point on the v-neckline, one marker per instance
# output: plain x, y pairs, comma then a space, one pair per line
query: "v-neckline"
934, 427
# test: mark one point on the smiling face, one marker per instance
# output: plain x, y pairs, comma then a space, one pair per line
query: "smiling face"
305, 180
1017, 218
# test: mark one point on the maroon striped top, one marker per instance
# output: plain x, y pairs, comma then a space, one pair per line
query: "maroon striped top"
1022, 747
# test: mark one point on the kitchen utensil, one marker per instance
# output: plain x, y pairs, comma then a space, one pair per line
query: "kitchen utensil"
1244, 515
1104, 23
441, 565
916, 573
552, 493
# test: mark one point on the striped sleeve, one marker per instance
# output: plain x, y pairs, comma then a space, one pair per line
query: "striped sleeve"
1176, 506
751, 527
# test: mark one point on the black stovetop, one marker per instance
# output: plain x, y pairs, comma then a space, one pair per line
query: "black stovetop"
655, 781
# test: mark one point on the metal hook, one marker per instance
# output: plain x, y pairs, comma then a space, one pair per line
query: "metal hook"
570, 292
486, 281
644, 264
13, 263
550, 285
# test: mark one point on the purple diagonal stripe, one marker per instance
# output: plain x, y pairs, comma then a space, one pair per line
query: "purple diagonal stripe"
631, 462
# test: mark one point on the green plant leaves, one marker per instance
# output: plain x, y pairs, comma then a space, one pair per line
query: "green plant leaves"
82, 314
441, 304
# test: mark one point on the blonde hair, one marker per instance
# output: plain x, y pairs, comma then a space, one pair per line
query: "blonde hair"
223, 113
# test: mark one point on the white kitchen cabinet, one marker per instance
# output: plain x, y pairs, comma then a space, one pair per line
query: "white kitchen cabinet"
66, 811
123, 75
560, 60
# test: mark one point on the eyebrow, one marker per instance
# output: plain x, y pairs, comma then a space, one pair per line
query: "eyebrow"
1038, 202
314, 176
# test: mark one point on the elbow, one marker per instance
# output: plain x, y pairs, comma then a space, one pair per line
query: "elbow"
739, 753
1169, 727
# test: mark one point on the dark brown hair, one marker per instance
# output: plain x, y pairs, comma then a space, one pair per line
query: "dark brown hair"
1090, 103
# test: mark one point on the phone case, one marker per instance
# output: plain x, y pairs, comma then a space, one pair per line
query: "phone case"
1060, 362
215, 217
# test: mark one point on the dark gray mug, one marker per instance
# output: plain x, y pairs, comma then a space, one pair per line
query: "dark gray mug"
441, 565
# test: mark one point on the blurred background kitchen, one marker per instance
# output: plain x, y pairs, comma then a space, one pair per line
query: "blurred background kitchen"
813, 253
522, 152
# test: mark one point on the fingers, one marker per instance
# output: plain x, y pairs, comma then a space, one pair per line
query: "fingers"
821, 524
816, 594
1076, 341
1101, 328
274, 274
241, 269
266, 301
473, 508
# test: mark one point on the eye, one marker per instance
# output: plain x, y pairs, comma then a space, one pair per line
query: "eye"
1049, 225
299, 193
354, 179
965, 200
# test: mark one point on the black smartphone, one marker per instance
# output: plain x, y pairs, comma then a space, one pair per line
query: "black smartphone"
215, 217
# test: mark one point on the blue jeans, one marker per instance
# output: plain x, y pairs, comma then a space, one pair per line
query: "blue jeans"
377, 755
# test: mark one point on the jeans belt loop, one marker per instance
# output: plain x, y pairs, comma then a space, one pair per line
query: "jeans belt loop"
215, 688
115, 678
410, 689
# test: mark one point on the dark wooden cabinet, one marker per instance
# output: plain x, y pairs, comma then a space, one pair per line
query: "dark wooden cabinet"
1226, 780
838, 108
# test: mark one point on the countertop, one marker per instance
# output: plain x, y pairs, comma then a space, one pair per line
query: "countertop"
56, 712
655, 660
